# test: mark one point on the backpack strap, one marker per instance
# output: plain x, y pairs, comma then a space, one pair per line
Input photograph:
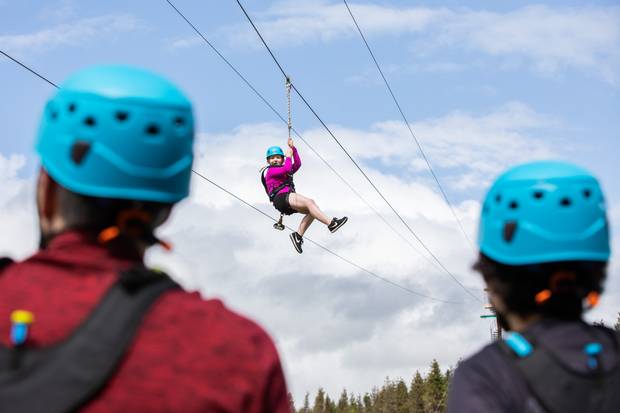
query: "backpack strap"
66, 376
5, 262
557, 387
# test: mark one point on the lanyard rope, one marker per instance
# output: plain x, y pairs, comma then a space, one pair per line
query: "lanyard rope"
288, 96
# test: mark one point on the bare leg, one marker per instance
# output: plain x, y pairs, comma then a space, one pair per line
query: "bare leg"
304, 224
307, 206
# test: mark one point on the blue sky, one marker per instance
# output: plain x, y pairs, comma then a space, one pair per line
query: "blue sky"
336, 74
484, 86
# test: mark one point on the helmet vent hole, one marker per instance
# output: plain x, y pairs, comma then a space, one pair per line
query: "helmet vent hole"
79, 150
72, 107
587, 193
121, 116
565, 202
152, 130
513, 205
508, 233
54, 115
179, 121
90, 121
498, 198
538, 194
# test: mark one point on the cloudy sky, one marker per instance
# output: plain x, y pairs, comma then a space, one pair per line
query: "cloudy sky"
484, 87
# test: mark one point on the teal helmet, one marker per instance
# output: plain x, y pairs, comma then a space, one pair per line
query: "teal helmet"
544, 212
119, 132
274, 150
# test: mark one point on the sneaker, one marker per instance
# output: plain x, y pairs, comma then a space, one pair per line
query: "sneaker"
297, 240
337, 223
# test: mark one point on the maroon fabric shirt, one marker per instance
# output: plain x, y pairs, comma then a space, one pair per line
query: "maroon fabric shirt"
190, 355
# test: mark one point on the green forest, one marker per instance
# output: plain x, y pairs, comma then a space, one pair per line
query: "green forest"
423, 394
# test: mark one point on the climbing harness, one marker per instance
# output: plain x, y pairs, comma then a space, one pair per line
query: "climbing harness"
550, 379
65, 377
274, 192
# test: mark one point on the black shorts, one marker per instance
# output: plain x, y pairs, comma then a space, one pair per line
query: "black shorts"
280, 202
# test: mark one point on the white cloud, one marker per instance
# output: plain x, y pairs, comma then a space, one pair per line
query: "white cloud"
544, 38
324, 314
17, 219
69, 34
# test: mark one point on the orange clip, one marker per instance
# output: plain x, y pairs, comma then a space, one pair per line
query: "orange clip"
542, 296
109, 234
593, 298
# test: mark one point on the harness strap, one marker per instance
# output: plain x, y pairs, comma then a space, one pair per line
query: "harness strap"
551, 382
288, 183
65, 377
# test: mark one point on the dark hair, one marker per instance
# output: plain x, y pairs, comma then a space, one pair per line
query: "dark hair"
569, 283
94, 214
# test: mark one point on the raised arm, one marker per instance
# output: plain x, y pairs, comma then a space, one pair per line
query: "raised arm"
281, 171
296, 160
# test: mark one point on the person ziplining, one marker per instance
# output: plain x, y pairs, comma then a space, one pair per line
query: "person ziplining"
277, 179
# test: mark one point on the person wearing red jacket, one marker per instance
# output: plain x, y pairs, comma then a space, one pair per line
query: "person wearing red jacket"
116, 150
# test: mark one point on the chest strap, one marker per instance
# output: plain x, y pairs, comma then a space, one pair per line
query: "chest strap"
64, 377
288, 183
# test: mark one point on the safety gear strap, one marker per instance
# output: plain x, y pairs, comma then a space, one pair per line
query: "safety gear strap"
288, 183
65, 377
557, 387
5, 262
288, 99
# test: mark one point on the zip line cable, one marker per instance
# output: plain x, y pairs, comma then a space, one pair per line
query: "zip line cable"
30, 70
371, 273
281, 117
348, 261
353, 160
402, 114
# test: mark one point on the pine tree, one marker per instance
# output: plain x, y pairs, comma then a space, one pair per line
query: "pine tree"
367, 403
617, 325
291, 403
435, 390
330, 406
319, 402
416, 394
402, 397
343, 402
306, 406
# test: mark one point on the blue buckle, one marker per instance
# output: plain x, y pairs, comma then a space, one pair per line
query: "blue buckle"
593, 350
518, 344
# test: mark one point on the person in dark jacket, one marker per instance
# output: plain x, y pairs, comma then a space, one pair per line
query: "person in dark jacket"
544, 248
116, 147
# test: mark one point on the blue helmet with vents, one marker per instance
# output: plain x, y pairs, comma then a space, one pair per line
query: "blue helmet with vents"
119, 132
544, 212
274, 150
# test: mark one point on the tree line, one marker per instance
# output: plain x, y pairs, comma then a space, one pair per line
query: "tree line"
424, 394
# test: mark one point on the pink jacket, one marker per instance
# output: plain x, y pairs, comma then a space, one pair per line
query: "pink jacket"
277, 175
